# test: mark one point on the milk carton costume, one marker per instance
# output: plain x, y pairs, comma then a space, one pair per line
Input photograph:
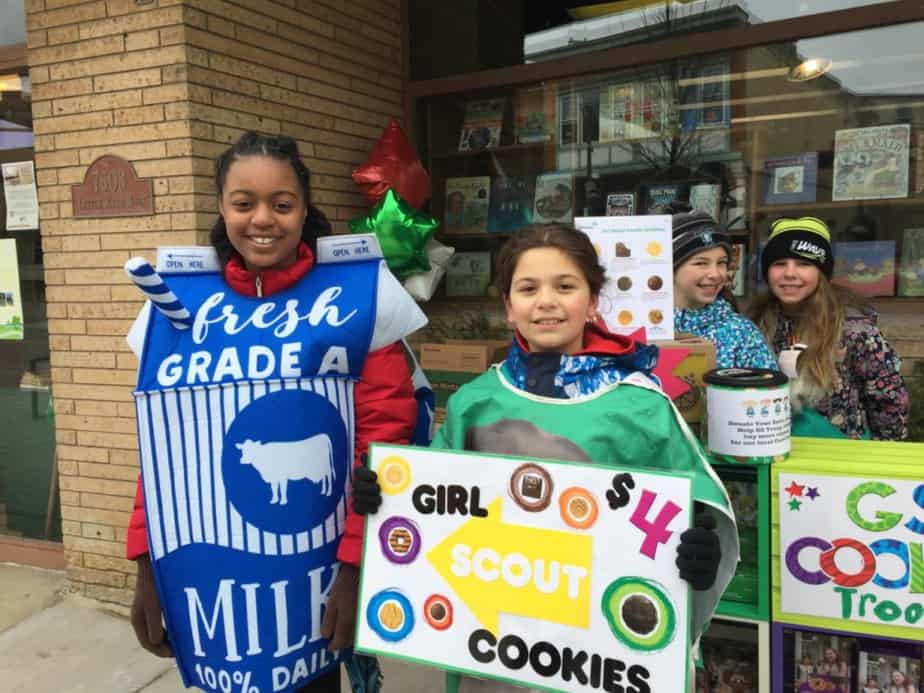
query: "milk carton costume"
246, 430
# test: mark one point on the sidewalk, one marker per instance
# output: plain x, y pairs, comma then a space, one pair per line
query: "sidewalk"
52, 642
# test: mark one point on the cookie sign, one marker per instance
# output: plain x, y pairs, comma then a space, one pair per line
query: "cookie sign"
538, 573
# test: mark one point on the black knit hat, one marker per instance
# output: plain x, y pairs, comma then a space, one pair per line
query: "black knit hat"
806, 238
695, 231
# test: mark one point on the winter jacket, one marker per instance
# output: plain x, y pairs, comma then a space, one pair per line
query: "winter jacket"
870, 396
386, 410
738, 341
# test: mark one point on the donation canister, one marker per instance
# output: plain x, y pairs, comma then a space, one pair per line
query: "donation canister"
748, 415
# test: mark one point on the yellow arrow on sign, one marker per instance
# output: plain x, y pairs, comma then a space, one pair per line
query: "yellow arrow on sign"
538, 573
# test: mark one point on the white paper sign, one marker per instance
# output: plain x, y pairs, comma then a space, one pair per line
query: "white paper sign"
521, 570
21, 196
850, 548
638, 255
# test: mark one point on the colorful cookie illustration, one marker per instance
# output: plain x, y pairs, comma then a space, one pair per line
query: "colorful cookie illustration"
624, 283
399, 538
578, 507
394, 475
655, 282
390, 615
622, 250
654, 248
655, 316
438, 612
624, 317
531, 487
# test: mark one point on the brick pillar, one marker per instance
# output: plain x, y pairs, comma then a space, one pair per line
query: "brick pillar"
167, 85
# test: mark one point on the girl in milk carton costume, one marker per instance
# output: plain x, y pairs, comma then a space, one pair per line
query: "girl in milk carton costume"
267, 365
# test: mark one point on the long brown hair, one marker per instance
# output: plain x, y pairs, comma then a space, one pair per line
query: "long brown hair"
819, 327
567, 239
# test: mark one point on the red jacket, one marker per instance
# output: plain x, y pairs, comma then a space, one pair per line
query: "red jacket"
386, 410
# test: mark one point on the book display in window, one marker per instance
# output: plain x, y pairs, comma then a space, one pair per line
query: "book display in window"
790, 179
554, 198
468, 274
911, 266
511, 204
866, 267
467, 204
871, 163
532, 121
917, 156
481, 127
707, 197
715, 109
620, 204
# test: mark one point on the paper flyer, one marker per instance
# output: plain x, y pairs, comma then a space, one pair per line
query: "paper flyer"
21, 196
10, 297
637, 253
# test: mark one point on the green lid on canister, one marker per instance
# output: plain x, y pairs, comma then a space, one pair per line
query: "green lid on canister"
745, 377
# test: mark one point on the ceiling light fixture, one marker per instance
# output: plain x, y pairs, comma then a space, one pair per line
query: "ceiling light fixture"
809, 69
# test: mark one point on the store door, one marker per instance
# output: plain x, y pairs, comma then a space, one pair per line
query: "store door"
29, 506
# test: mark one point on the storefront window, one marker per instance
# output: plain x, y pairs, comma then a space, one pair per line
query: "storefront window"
471, 35
28, 488
830, 127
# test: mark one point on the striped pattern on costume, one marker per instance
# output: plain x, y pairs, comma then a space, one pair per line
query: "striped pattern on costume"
154, 287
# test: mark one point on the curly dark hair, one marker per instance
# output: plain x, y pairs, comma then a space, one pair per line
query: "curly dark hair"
280, 148
573, 243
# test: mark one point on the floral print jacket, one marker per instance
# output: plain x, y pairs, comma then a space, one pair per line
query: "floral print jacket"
871, 395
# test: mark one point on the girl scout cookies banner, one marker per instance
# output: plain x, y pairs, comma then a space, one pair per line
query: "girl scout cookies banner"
850, 553
545, 573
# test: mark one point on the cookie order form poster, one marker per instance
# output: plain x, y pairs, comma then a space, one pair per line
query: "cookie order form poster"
637, 253
549, 574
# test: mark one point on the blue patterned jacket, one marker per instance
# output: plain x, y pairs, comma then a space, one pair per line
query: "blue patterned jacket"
739, 343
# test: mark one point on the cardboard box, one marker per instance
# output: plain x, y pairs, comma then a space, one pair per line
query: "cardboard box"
451, 365
700, 360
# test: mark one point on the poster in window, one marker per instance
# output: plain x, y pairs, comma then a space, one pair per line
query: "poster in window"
888, 665
511, 205
865, 267
790, 179
911, 266
871, 163
11, 325
531, 121
823, 662
481, 128
620, 204
22, 211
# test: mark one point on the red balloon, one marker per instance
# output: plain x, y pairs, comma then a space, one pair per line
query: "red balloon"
393, 163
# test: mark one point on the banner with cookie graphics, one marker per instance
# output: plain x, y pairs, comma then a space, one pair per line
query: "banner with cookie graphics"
637, 253
848, 551
555, 575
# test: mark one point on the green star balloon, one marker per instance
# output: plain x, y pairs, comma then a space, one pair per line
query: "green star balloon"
402, 232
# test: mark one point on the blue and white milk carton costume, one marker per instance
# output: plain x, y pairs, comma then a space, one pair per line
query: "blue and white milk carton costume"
246, 429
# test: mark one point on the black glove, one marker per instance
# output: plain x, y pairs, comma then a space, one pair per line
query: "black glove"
339, 623
698, 554
146, 612
367, 496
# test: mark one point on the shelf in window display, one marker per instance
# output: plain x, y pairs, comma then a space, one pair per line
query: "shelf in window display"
809, 206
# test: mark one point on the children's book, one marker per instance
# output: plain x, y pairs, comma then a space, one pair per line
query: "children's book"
911, 267
739, 269
533, 122
554, 198
865, 267
481, 127
467, 201
620, 204
790, 179
871, 163
468, 274
511, 205
707, 197
660, 195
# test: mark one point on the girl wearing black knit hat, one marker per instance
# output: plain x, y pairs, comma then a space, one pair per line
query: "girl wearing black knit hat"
702, 251
845, 378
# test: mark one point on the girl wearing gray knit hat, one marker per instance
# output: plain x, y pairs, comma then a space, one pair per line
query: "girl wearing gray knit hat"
702, 251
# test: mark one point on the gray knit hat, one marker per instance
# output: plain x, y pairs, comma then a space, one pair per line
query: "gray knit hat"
695, 231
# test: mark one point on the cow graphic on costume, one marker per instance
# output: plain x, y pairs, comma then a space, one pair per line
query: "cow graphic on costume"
278, 463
